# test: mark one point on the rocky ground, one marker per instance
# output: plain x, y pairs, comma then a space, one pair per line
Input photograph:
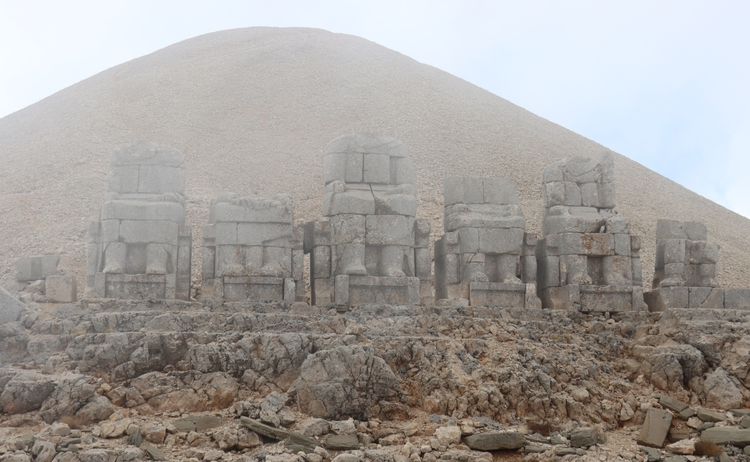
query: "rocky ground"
104, 380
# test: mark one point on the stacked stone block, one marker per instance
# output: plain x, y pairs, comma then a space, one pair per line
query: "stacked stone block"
369, 247
587, 259
252, 250
686, 268
485, 256
42, 270
140, 247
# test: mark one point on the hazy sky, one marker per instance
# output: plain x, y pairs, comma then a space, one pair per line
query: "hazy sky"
666, 83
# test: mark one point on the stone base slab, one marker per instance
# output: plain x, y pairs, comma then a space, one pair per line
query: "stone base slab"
134, 286
358, 290
591, 298
665, 298
501, 294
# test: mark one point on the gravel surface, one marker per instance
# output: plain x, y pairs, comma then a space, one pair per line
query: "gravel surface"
253, 110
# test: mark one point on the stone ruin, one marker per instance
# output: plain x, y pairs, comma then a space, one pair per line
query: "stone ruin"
686, 268
252, 250
140, 247
369, 247
587, 259
485, 256
41, 281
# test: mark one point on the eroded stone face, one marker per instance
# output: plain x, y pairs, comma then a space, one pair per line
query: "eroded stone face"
587, 258
485, 257
140, 247
252, 251
368, 229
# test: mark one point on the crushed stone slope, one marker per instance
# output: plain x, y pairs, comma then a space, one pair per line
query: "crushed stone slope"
253, 109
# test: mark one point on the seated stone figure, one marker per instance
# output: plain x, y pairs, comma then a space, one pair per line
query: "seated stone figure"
587, 259
140, 247
368, 247
252, 251
685, 268
485, 256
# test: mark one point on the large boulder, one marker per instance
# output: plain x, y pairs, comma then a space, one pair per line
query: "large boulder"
25, 392
721, 391
344, 381
10, 307
75, 397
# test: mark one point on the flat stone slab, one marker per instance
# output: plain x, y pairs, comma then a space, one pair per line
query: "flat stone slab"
727, 435
297, 442
583, 438
197, 423
493, 441
672, 404
655, 428
263, 429
342, 442
708, 415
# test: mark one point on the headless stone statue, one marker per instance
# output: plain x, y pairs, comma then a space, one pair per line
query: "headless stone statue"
140, 247
252, 251
485, 256
587, 259
369, 227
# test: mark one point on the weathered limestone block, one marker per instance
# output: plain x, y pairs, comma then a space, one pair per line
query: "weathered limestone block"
252, 250
685, 268
36, 268
140, 247
485, 257
587, 258
369, 247
61, 288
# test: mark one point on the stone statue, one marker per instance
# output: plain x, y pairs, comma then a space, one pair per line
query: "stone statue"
140, 247
252, 251
368, 237
587, 259
485, 256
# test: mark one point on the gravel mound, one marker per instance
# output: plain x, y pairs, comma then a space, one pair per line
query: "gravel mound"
253, 110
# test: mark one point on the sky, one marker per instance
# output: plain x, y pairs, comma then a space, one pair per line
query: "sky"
666, 83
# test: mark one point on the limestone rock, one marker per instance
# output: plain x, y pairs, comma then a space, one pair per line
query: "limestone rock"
154, 433
25, 392
71, 395
342, 442
10, 307
314, 427
708, 415
94, 411
492, 441
655, 428
236, 438
345, 381
684, 447
44, 451
297, 442
672, 404
583, 438
448, 435
262, 429
721, 391
727, 435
